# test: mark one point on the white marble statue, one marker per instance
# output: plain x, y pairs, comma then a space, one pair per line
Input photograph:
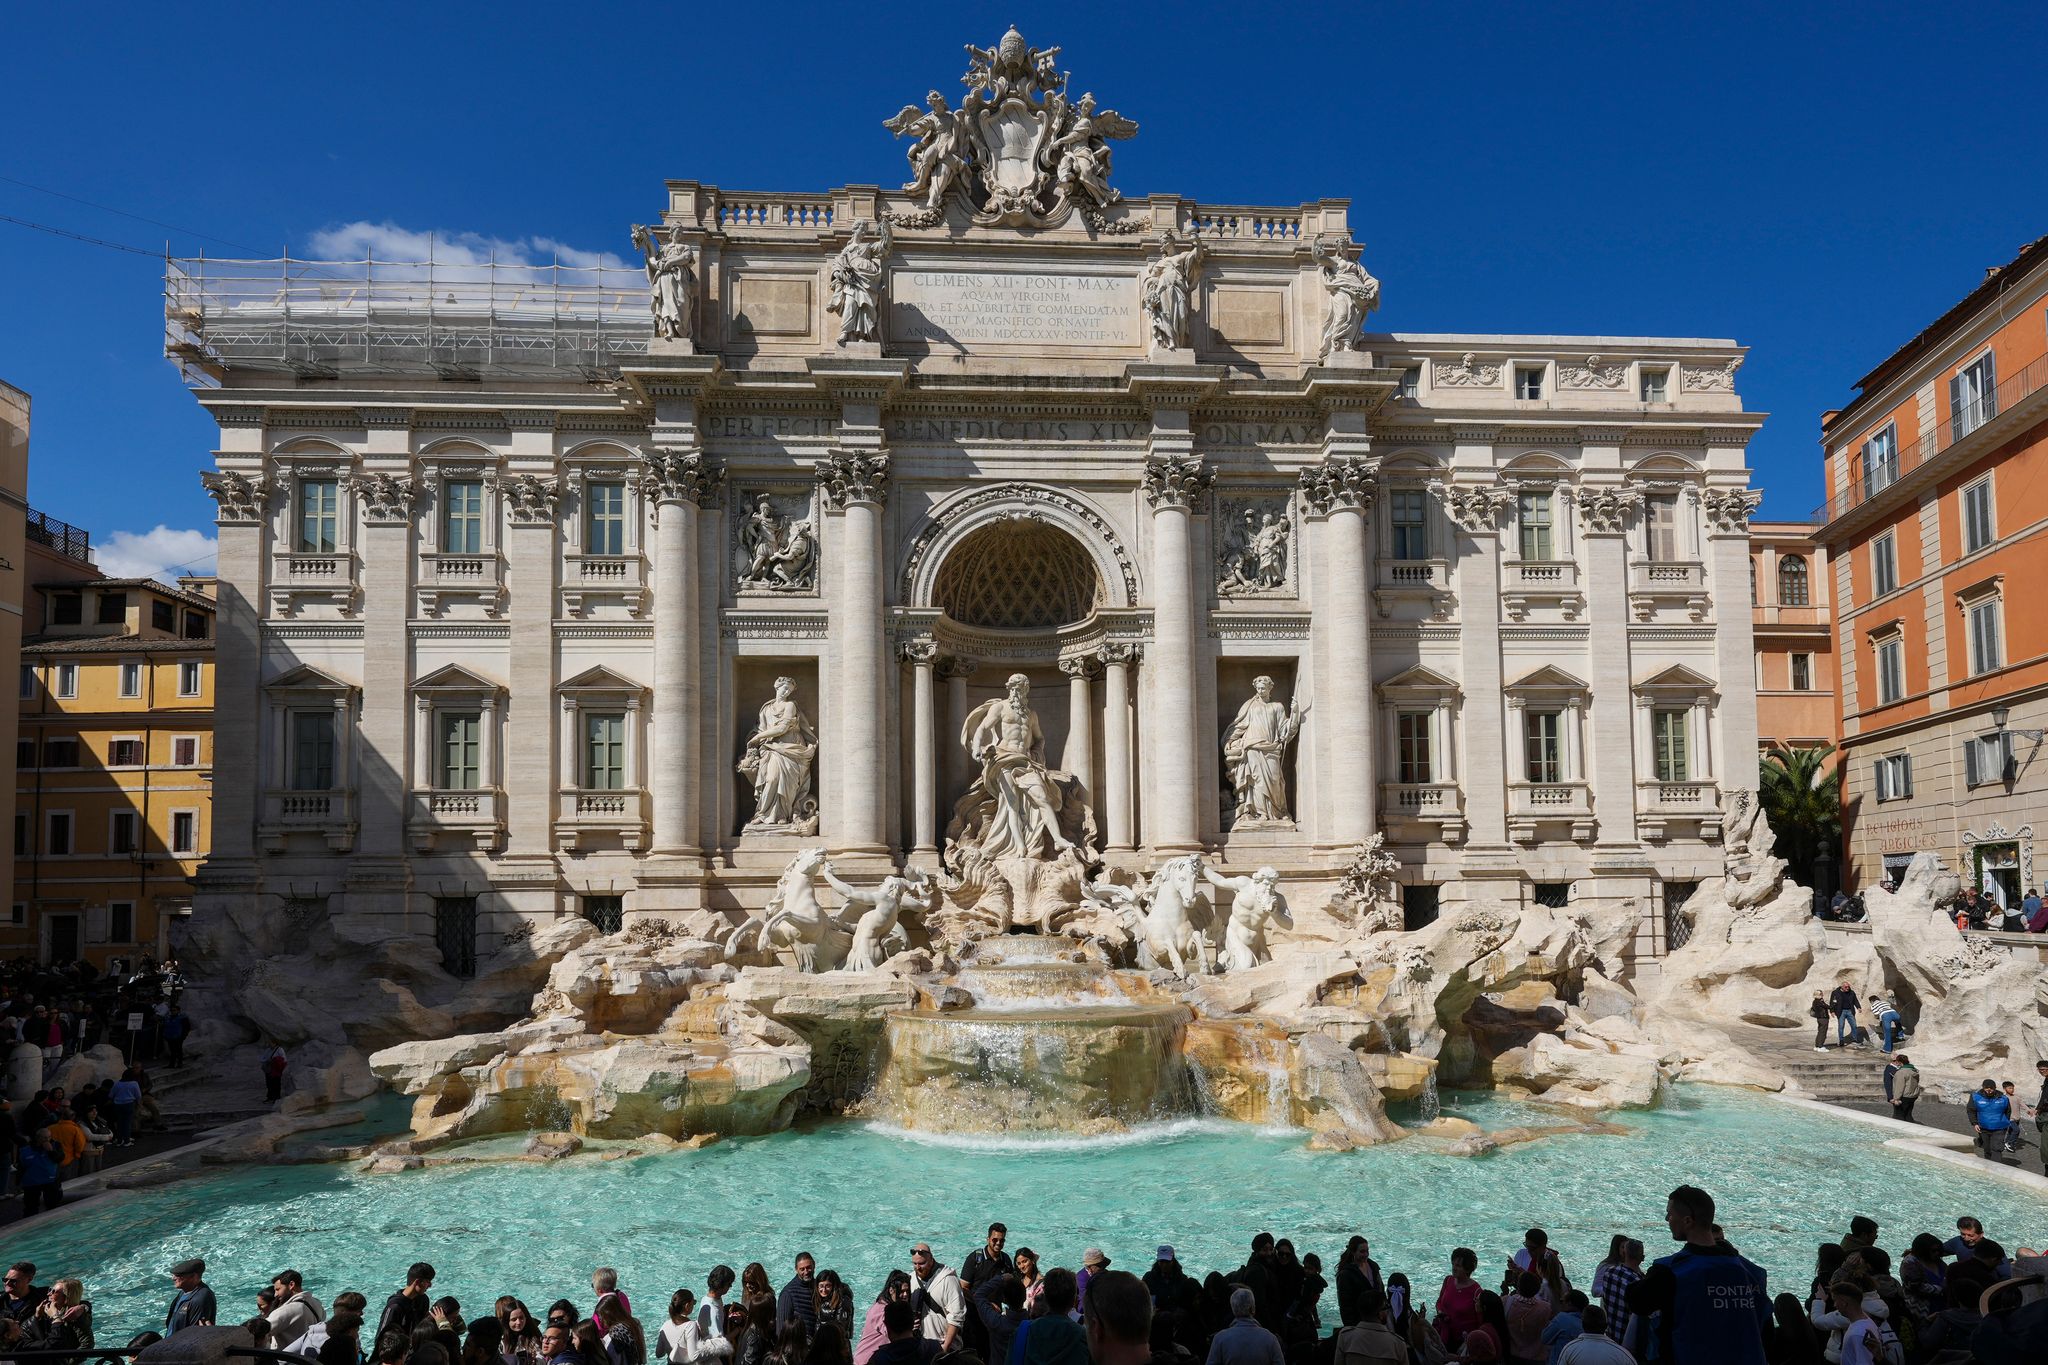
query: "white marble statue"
778, 762
939, 156
1171, 928
1255, 753
1013, 809
1166, 289
782, 554
1353, 295
792, 919
877, 932
1080, 152
671, 281
1256, 902
858, 274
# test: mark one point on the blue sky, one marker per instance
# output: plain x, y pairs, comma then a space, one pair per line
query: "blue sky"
1815, 181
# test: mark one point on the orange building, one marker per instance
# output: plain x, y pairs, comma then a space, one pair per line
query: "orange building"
1791, 595
1936, 526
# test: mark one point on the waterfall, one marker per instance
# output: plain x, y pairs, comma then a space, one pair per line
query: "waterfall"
1429, 1105
547, 1111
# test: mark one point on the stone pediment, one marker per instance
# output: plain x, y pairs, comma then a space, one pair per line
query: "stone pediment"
456, 678
306, 678
1676, 678
601, 679
1548, 678
1419, 679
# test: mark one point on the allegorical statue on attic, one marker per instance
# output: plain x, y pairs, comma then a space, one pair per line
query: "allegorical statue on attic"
857, 282
1166, 289
1353, 294
671, 281
939, 156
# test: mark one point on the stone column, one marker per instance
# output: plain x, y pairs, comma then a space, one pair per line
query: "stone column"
238, 660
1175, 485
1608, 731
1117, 658
922, 654
956, 671
1339, 491
534, 771
1080, 755
855, 483
679, 482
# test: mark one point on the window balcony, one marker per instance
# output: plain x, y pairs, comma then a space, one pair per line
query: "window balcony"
1659, 804
1531, 582
1678, 584
457, 579
1427, 806
1532, 805
478, 814
585, 816
1422, 580
328, 814
588, 580
299, 580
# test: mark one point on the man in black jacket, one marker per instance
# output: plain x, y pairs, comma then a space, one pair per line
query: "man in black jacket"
798, 1301
1844, 1002
407, 1308
983, 1264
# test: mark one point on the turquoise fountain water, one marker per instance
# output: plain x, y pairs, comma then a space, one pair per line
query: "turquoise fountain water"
859, 1194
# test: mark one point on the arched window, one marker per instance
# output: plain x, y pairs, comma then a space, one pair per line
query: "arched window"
1792, 581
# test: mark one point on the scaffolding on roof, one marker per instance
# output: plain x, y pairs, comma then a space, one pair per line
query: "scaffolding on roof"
324, 319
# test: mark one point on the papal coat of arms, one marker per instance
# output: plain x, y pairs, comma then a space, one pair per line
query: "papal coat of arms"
1020, 152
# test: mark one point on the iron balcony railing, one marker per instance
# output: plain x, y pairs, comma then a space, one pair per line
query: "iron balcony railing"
61, 536
1867, 483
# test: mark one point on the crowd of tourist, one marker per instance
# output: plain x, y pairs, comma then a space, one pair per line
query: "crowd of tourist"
1969, 907
1960, 1300
75, 1007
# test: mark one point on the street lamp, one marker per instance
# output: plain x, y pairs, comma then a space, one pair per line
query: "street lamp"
1999, 716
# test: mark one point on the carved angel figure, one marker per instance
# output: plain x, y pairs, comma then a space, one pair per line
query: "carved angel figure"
1166, 289
857, 282
939, 156
1079, 155
671, 281
1353, 295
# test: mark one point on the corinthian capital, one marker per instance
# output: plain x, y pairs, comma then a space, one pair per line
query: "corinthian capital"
1608, 511
386, 498
238, 498
1340, 483
1729, 509
850, 476
1478, 509
530, 499
692, 477
1176, 480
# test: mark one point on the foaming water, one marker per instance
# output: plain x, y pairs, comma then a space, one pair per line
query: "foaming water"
1026, 1143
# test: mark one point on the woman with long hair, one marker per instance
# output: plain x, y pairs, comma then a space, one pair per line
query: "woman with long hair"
1486, 1344
624, 1341
521, 1333
754, 1280
757, 1343
1028, 1275
873, 1335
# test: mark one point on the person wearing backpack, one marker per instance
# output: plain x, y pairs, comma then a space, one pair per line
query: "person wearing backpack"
1866, 1341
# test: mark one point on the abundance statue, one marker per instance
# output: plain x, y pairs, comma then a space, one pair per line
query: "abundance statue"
876, 932
1256, 560
1014, 809
782, 555
1257, 902
1081, 151
939, 156
671, 281
857, 282
1166, 288
792, 918
1353, 294
1254, 751
778, 762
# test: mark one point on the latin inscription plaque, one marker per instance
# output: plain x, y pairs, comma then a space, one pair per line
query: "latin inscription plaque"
1012, 308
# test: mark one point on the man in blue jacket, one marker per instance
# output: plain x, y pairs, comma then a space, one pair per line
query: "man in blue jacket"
1990, 1118
1713, 1306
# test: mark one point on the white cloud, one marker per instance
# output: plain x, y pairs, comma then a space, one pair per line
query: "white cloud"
387, 241
162, 554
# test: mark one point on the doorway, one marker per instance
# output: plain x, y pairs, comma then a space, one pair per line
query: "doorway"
1998, 873
61, 938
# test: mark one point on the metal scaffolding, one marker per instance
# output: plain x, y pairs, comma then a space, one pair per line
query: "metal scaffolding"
323, 319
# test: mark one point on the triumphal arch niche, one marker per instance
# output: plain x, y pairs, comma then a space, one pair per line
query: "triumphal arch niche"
1002, 524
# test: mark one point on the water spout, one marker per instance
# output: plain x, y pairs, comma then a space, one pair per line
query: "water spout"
1430, 1106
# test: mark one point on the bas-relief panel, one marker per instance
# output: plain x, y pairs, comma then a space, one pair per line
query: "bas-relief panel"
775, 543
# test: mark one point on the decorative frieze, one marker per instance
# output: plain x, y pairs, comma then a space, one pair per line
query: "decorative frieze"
1712, 378
1597, 373
1467, 372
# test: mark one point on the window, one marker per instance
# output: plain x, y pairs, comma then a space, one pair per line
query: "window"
21, 834
319, 516
606, 912
1987, 651
184, 831
131, 680
17, 913
312, 751
59, 838
1973, 395
121, 921
185, 751
1411, 383
1656, 385
195, 625
604, 529
1894, 777
1671, 742
1660, 526
121, 827
124, 753
455, 934
188, 677
24, 753
460, 731
1881, 460
1802, 673
67, 609
1677, 929
60, 753
1554, 895
1533, 515
1528, 381
1985, 758
113, 608
28, 681
1410, 512
1793, 586
1891, 670
1977, 529
462, 521
1412, 740
604, 752
1884, 564
1420, 905
162, 615
1543, 734
67, 680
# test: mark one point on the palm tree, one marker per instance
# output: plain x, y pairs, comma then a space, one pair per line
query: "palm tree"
1801, 793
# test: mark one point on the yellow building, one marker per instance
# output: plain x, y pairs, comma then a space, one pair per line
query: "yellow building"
113, 761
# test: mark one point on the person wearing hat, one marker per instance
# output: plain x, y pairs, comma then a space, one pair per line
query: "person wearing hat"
1093, 1262
1173, 1290
194, 1306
